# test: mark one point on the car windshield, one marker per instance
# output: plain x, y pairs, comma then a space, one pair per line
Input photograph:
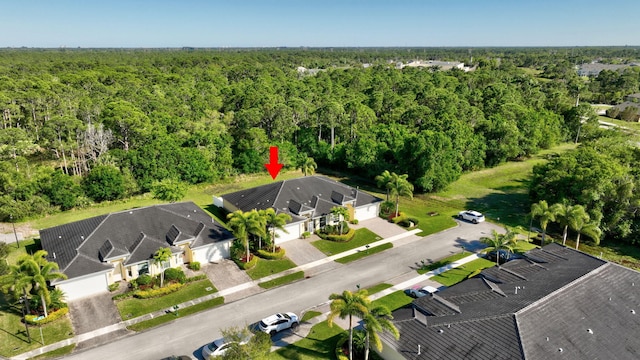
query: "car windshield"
213, 346
263, 324
286, 316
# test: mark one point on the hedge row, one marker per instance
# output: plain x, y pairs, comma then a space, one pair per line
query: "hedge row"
266, 254
53, 316
247, 265
146, 294
404, 220
339, 238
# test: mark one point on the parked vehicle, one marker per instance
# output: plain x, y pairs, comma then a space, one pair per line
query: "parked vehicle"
503, 254
279, 322
218, 347
472, 216
418, 292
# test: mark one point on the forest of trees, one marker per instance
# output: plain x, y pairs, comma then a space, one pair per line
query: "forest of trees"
82, 125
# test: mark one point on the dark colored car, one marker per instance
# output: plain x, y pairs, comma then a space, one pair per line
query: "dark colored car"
504, 255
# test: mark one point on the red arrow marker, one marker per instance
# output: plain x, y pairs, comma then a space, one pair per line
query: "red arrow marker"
273, 167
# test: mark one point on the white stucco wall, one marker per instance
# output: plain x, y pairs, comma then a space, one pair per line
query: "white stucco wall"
367, 212
295, 232
78, 288
212, 253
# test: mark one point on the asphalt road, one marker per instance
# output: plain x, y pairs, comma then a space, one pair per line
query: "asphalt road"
186, 336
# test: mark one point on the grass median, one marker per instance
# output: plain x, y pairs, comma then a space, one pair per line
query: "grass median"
362, 237
363, 253
282, 280
208, 304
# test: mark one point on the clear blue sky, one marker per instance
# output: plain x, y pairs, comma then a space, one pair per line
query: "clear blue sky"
314, 23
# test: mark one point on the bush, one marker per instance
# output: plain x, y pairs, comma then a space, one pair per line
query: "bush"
113, 287
354, 221
126, 295
247, 265
344, 337
197, 278
175, 274
147, 294
339, 238
194, 265
306, 234
53, 316
144, 279
265, 254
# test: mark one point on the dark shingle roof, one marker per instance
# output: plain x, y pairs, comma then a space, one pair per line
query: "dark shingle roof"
310, 193
80, 247
518, 306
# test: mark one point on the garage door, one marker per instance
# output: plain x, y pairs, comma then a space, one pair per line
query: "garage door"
85, 286
212, 253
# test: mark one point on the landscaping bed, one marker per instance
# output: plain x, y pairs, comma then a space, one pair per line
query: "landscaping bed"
363, 236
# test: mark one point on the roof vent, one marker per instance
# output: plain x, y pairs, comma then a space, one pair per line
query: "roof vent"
560, 350
130, 212
54, 256
590, 331
609, 298
547, 338
59, 236
440, 331
633, 311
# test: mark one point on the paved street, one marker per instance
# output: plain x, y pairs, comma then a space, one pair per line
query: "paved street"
186, 336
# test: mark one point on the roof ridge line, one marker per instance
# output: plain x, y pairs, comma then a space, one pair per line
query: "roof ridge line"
86, 238
513, 273
275, 200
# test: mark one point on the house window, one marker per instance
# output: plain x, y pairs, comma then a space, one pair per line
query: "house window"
166, 264
323, 222
129, 273
143, 269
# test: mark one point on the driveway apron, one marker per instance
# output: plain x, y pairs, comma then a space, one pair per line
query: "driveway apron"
93, 313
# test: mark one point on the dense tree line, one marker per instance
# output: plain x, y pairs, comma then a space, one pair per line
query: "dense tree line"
96, 125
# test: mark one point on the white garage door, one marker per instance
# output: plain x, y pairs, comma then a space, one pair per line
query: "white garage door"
212, 253
295, 232
367, 212
84, 286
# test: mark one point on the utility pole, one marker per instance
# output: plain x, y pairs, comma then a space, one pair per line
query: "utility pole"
15, 234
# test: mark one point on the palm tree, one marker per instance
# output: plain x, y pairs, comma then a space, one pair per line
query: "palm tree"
348, 304
565, 214
499, 242
276, 221
40, 272
308, 166
342, 213
400, 186
376, 320
19, 283
383, 181
584, 225
261, 231
160, 257
242, 224
545, 214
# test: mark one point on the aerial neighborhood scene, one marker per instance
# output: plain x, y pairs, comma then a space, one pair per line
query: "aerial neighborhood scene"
319, 180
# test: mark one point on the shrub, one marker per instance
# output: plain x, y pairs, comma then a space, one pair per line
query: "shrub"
126, 295
247, 265
265, 254
175, 274
113, 287
194, 265
147, 294
196, 278
344, 337
53, 316
144, 279
306, 234
354, 221
339, 238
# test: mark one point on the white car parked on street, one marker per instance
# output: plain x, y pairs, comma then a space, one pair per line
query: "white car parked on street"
279, 322
472, 216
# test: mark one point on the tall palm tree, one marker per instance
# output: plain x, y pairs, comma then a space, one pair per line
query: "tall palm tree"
342, 213
261, 229
383, 181
40, 272
348, 304
545, 214
565, 214
497, 242
19, 283
400, 186
308, 166
242, 224
160, 257
375, 321
584, 225
276, 221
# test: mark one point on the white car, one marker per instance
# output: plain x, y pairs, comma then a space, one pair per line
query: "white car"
279, 322
218, 348
420, 292
472, 216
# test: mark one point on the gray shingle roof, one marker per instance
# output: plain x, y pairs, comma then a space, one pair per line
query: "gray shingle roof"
310, 193
529, 310
80, 247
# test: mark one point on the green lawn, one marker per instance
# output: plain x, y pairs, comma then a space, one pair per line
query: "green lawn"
65, 350
269, 267
132, 307
364, 253
362, 237
310, 315
395, 300
455, 275
320, 344
282, 280
377, 288
205, 305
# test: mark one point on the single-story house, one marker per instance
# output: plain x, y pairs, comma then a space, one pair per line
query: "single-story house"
554, 303
102, 250
308, 200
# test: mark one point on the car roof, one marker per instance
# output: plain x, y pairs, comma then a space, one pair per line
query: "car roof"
429, 289
473, 212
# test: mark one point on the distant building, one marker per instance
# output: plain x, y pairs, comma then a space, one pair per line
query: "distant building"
554, 303
593, 69
442, 65
629, 110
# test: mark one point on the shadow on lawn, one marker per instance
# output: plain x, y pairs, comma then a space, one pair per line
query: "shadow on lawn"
323, 348
508, 208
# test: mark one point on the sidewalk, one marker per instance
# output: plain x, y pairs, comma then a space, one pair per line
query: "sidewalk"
304, 328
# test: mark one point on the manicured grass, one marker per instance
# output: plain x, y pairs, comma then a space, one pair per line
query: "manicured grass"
320, 344
455, 275
394, 301
65, 350
362, 237
269, 267
310, 315
143, 325
361, 254
282, 280
13, 337
438, 264
377, 288
132, 307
